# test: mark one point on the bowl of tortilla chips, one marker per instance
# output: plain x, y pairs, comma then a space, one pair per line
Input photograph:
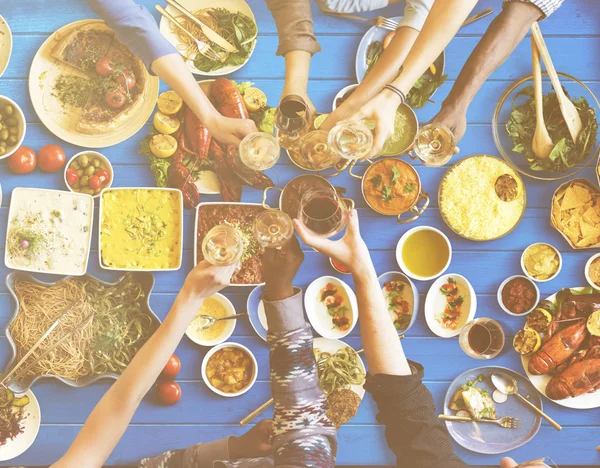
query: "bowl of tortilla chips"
576, 213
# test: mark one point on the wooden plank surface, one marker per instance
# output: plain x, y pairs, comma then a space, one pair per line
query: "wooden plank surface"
573, 37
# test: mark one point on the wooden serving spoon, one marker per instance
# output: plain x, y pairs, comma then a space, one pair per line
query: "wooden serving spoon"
542, 143
569, 112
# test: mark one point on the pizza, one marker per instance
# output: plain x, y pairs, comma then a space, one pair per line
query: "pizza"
111, 98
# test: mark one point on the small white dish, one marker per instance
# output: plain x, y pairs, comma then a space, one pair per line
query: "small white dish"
256, 312
499, 295
94, 154
341, 94
229, 345
397, 276
229, 324
6, 44
560, 261
400, 261
587, 271
317, 311
22, 124
435, 303
31, 426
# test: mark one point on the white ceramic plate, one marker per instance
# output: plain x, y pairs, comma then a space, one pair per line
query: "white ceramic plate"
330, 346
31, 425
195, 5
587, 401
435, 302
6, 44
317, 311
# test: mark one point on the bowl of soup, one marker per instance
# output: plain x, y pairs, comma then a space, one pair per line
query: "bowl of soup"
217, 306
392, 187
229, 369
424, 253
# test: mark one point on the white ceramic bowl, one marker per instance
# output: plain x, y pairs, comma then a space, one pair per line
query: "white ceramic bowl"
213, 351
317, 311
436, 301
397, 276
341, 94
560, 261
499, 295
94, 154
401, 242
6, 45
229, 324
341, 272
587, 270
22, 125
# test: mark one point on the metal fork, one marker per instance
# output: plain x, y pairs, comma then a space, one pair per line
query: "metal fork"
508, 422
203, 47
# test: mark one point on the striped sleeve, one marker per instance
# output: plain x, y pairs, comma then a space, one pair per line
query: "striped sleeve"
547, 7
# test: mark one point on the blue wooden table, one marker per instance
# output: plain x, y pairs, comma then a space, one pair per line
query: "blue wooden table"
573, 39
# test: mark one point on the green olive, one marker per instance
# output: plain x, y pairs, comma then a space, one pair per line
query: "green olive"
90, 170
88, 191
8, 110
3, 134
13, 140
101, 165
84, 181
12, 122
74, 165
13, 130
2, 150
80, 172
96, 163
1, 125
75, 186
84, 160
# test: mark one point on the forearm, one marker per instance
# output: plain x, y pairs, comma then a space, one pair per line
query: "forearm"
174, 72
293, 19
297, 67
109, 419
498, 42
382, 346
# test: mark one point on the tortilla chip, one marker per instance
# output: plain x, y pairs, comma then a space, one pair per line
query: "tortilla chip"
591, 216
587, 241
574, 235
575, 197
588, 230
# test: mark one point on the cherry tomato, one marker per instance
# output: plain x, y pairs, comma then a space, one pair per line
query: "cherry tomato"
172, 368
103, 175
72, 177
51, 158
22, 161
126, 79
115, 99
168, 392
94, 182
104, 66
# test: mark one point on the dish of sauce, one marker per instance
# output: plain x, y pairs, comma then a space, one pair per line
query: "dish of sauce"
425, 253
391, 186
519, 295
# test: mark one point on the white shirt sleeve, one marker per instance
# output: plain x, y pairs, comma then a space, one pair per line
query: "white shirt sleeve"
351, 6
415, 14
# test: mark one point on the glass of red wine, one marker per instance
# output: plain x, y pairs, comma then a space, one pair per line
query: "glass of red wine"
482, 338
323, 211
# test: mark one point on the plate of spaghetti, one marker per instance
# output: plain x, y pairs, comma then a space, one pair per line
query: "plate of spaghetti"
233, 20
101, 327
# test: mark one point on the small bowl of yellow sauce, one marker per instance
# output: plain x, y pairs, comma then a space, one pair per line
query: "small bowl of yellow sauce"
423, 253
217, 306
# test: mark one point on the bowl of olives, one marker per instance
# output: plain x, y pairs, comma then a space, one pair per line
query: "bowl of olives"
88, 172
12, 127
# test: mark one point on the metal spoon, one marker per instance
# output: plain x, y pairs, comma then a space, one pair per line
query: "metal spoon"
506, 384
209, 320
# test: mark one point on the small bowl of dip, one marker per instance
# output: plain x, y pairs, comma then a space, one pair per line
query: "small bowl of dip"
423, 253
217, 306
592, 271
518, 295
541, 262
237, 376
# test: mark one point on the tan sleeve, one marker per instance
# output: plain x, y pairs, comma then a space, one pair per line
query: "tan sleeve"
294, 25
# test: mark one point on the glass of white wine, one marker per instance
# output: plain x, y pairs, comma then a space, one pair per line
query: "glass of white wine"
273, 228
351, 139
434, 145
223, 245
315, 151
259, 151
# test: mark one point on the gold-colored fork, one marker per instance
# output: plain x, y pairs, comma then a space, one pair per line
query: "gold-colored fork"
508, 422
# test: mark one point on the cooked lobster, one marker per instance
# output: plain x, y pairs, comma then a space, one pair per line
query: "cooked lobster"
231, 184
558, 349
579, 378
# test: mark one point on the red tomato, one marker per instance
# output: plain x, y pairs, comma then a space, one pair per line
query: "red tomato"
104, 66
172, 368
51, 158
103, 175
387, 39
115, 99
72, 176
168, 392
22, 161
126, 79
94, 182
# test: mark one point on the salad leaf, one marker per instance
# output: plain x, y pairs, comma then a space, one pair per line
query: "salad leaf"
160, 167
264, 119
423, 89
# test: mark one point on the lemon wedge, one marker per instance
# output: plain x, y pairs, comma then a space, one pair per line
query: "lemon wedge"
593, 323
163, 146
254, 99
169, 102
527, 341
165, 124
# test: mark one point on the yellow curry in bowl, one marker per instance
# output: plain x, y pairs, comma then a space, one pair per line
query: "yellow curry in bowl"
391, 186
141, 229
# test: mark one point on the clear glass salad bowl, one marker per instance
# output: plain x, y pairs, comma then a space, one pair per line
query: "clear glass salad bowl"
574, 88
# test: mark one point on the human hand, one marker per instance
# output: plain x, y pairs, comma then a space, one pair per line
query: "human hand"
454, 119
350, 250
301, 91
206, 279
253, 444
279, 269
230, 131
510, 463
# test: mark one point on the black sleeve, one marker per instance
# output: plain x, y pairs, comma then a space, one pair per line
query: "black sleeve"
412, 429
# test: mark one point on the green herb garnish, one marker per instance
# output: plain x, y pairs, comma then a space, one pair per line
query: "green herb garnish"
409, 187
395, 174
376, 180
386, 194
